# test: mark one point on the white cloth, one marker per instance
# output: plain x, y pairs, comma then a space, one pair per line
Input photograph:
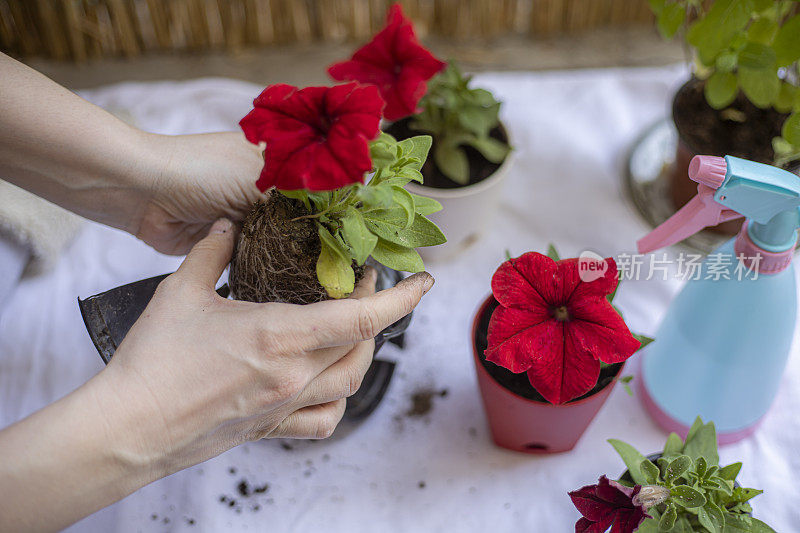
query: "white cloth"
572, 131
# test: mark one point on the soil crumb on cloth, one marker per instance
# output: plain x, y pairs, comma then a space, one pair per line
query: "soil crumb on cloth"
422, 401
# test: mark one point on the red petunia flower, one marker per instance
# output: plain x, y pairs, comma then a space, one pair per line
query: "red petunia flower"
554, 326
396, 63
317, 137
608, 504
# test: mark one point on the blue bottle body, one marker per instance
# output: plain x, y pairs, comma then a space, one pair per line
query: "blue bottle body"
723, 345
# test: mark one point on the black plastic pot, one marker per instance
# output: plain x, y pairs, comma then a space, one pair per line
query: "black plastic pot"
109, 316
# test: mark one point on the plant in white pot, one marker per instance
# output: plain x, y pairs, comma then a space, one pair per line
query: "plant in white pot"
426, 96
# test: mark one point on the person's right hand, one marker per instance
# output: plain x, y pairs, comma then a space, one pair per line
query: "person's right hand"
198, 374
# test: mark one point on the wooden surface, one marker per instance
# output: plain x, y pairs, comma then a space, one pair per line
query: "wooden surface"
305, 64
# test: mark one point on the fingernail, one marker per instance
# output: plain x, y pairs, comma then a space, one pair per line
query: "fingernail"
222, 225
428, 283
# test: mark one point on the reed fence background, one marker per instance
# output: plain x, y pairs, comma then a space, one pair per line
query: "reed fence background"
83, 29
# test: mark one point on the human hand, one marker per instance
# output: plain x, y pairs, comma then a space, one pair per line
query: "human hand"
196, 180
198, 374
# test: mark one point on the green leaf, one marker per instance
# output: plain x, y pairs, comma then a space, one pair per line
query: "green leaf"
643, 339
791, 128
650, 525
761, 86
711, 517
742, 494
762, 30
632, 459
715, 32
626, 382
410, 174
720, 89
730, 472
726, 61
786, 43
479, 120
334, 269
673, 446
403, 198
757, 56
701, 467
397, 257
670, 19
382, 151
667, 521
355, 232
376, 196
787, 95
416, 147
552, 253
677, 467
686, 496
492, 149
703, 443
452, 162
722, 485
426, 206
649, 471
390, 224
737, 524
696, 425
327, 238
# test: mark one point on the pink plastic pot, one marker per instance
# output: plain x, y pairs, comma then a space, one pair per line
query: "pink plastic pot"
529, 426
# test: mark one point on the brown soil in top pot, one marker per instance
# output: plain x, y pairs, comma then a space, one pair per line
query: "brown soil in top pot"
480, 168
519, 383
741, 130
275, 259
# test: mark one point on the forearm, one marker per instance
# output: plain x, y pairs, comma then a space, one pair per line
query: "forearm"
73, 458
69, 151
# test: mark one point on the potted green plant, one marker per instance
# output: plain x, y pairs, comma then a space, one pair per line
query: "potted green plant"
682, 489
743, 99
426, 96
321, 219
548, 345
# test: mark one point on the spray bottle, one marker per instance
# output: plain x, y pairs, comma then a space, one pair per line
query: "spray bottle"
723, 345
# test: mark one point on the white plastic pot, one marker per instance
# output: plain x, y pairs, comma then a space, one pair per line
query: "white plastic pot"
467, 211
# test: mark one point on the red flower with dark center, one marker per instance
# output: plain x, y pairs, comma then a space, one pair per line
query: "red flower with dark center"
556, 327
608, 504
317, 137
396, 63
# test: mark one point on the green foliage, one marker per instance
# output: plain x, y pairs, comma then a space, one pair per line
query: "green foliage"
751, 46
702, 496
458, 116
379, 219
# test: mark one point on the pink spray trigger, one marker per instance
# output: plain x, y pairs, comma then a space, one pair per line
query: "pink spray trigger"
700, 212
708, 169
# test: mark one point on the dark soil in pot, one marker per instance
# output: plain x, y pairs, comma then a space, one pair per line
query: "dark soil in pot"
480, 168
275, 259
518, 383
741, 130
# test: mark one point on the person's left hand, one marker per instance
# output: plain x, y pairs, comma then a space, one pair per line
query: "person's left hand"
198, 179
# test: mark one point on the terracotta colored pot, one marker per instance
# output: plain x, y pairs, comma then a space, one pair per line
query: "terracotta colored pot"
529, 426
